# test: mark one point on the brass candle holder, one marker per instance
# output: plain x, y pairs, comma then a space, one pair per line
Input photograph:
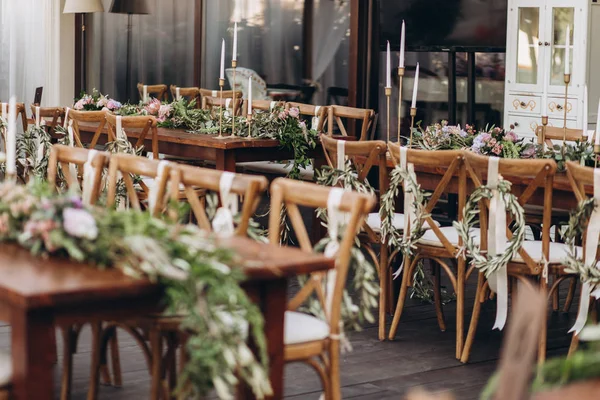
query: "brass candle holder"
413, 114
221, 84
567, 82
249, 120
542, 137
388, 94
400, 81
234, 67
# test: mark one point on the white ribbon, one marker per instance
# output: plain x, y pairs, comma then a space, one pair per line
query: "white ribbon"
214, 93
155, 188
341, 155
315, 120
591, 247
498, 281
177, 93
334, 219
65, 123
223, 222
145, 93
227, 103
410, 214
72, 169
89, 178
272, 105
119, 128
37, 116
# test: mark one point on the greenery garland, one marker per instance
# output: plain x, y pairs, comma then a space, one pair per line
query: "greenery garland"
485, 263
578, 223
200, 282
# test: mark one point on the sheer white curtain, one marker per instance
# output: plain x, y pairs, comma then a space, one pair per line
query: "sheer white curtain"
29, 37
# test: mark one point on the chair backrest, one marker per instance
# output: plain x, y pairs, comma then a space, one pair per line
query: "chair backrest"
554, 133
154, 180
310, 110
209, 103
189, 179
21, 111
580, 177
190, 93
142, 124
157, 91
338, 113
262, 105
292, 194
82, 117
227, 94
67, 156
535, 175
451, 161
50, 115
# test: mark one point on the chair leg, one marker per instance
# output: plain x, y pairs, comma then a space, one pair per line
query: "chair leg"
401, 300
544, 327
334, 370
555, 305
460, 306
466, 352
570, 294
574, 345
53, 350
69, 343
437, 295
383, 277
156, 348
116, 360
95, 364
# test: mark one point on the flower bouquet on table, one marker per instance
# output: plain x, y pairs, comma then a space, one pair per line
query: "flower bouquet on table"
441, 136
580, 151
497, 142
95, 102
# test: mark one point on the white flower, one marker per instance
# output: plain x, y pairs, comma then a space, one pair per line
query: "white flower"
79, 223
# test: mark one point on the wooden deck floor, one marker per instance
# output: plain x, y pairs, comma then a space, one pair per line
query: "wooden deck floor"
421, 355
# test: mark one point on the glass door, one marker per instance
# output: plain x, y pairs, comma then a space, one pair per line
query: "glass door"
528, 28
560, 19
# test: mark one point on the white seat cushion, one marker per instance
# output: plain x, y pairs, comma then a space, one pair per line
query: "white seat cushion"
558, 252
303, 328
276, 168
430, 238
6, 371
374, 221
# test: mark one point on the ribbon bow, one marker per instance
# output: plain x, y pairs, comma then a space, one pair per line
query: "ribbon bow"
498, 281
315, 120
89, 177
410, 214
341, 155
591, 246
155, 188
223, 222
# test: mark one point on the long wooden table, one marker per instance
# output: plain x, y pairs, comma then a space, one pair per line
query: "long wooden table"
224, 152
36, 294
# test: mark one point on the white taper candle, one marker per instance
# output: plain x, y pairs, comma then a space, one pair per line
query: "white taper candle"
249, 96
222, 70
402, 39
11, 138
388, 67
544, 105
568, 51
234, 56
415, 88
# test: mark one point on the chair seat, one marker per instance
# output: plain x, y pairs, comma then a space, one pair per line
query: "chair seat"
430, 238
276, 168
374, 221
557, 255
6, 370
303, 328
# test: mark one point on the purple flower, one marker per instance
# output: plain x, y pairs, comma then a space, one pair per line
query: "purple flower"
113, 105
529, 152
79, 223
76, 202
511, 137
294, 112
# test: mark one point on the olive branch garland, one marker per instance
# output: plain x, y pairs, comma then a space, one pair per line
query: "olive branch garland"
483, 262
578, 223
390, 234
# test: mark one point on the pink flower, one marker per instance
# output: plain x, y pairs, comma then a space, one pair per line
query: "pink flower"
164, 112
511, 137
282, 115
79, 223
113, 105
102, 102
302, 124
294, 112
79, 105
492, 142
497, 149
153, 107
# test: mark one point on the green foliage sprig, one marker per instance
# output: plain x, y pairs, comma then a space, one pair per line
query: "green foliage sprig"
580, 151
578, 223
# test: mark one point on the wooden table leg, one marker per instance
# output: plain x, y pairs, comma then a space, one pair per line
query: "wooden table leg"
225, 160
32, 354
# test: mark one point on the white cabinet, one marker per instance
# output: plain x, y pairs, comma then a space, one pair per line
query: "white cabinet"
535, 62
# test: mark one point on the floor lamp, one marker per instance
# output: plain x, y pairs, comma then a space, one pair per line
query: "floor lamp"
83, 7
129, 7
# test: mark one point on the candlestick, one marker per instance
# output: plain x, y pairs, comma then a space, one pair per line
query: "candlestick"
388, 94
249, 120
544, 104
234, 66
542, 138
567, 81
388, 67
415, 88
400, 83
221, 84
234, 56
413, 114
568, 51
11, 140
222, 69
402, 38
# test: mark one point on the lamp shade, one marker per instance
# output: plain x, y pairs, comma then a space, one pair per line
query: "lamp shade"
129, 7
83, 6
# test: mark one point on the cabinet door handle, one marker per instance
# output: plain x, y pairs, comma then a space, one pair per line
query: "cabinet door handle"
547, 43
516, 124
559, 107
523, 104
540, 44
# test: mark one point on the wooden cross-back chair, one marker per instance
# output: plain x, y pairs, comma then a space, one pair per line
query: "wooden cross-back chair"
558, 134
189, 93
159, 92
438, 244
337, 115
364, 157
210, 103
52, 116
143, 125
536, 259
22, 111
262, 105
326, 344
309, 110
97, 118
227, 94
